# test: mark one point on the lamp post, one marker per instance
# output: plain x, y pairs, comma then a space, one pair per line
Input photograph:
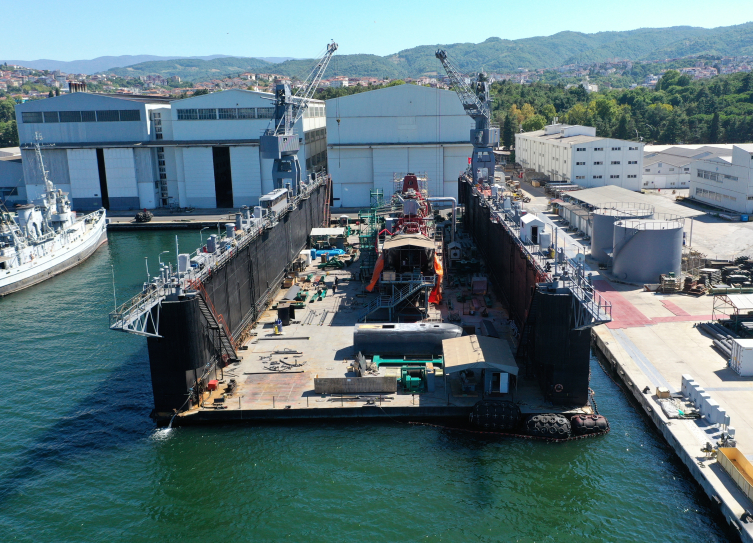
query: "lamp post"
201, 236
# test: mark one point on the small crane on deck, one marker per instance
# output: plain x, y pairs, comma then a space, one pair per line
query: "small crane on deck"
280, 143
477, 103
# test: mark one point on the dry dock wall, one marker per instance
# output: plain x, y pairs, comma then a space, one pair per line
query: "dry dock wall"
717, 485
239, 290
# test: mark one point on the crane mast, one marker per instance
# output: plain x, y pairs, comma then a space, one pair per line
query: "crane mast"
280, 143
477, 104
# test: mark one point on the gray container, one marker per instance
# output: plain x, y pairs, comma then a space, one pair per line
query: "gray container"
212, 243
402, 339
603, 219
645, 249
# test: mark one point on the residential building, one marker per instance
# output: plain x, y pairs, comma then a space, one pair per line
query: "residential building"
668, 166
133, 152
376, 134
574, 154
725, 181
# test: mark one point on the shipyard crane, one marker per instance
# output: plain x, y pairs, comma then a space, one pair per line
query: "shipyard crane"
280, 143
477, 103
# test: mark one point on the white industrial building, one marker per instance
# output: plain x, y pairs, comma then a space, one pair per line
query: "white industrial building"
131, 152
725, 181
12, 188
407, 128
575, 154
668, 166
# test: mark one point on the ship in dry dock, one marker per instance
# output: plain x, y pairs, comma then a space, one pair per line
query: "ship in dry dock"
401, 315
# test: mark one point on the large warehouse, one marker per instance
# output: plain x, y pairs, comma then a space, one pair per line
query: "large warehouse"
131, 152
574, 154
407, 128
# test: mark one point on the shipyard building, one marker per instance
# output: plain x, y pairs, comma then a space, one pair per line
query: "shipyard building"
725, 181
407, 128
133, 152
574, 154
668, 166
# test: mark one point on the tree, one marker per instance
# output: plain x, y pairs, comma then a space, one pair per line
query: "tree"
527, 111
537, 122
57, 91
7, 110
201, 92
509, 130
549, 112
50, 94
622, 130
714, 129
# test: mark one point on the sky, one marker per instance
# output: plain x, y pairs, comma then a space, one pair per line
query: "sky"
85, 29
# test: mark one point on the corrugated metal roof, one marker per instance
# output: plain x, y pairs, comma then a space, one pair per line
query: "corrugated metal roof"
742, 302
478, 352
408, 240
610, 194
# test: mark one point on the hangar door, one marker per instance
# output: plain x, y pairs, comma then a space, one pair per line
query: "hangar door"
455, 163
387, 162
427, 160
355, 195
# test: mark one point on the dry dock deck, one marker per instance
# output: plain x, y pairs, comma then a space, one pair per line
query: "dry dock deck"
327, 351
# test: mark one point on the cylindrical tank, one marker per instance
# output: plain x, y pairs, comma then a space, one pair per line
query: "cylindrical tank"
603, 219
230, 230
646, 248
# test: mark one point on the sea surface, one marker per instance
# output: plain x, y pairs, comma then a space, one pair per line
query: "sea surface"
81, 461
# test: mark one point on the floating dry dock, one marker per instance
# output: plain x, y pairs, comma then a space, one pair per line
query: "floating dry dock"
215, 355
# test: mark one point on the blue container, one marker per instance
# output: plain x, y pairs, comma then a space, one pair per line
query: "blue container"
744, 218
313, 254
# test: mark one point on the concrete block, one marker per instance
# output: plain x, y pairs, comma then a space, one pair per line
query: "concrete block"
686, 385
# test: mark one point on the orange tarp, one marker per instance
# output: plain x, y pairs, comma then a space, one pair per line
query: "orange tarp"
375, 276
436, 294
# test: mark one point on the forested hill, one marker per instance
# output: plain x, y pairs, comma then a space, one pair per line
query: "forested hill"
679, 110
492, 55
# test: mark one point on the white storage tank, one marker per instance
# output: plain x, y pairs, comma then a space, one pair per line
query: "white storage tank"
602, 229
742, 357
644, 249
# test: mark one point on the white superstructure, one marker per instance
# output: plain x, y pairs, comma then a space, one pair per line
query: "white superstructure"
45, 238
574, 154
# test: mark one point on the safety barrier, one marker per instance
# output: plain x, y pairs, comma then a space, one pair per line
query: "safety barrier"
709, 409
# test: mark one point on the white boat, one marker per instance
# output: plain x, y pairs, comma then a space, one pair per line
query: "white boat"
45, 238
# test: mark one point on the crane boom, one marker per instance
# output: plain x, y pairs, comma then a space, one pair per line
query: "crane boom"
280, 143
477, 104
471, 103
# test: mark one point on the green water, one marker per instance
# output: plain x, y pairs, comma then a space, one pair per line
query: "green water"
80, 460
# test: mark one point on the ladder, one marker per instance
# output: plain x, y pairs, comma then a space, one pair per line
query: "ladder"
398, 296
216, 322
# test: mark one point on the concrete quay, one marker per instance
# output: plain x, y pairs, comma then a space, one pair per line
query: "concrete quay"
654, 340
163, 219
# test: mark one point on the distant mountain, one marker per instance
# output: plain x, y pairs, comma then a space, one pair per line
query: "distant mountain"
498, 55
492, 55
101, 64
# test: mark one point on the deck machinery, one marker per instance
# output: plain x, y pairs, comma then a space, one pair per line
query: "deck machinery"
401, 234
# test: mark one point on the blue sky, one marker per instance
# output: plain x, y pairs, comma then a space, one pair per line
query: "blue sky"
83, 29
